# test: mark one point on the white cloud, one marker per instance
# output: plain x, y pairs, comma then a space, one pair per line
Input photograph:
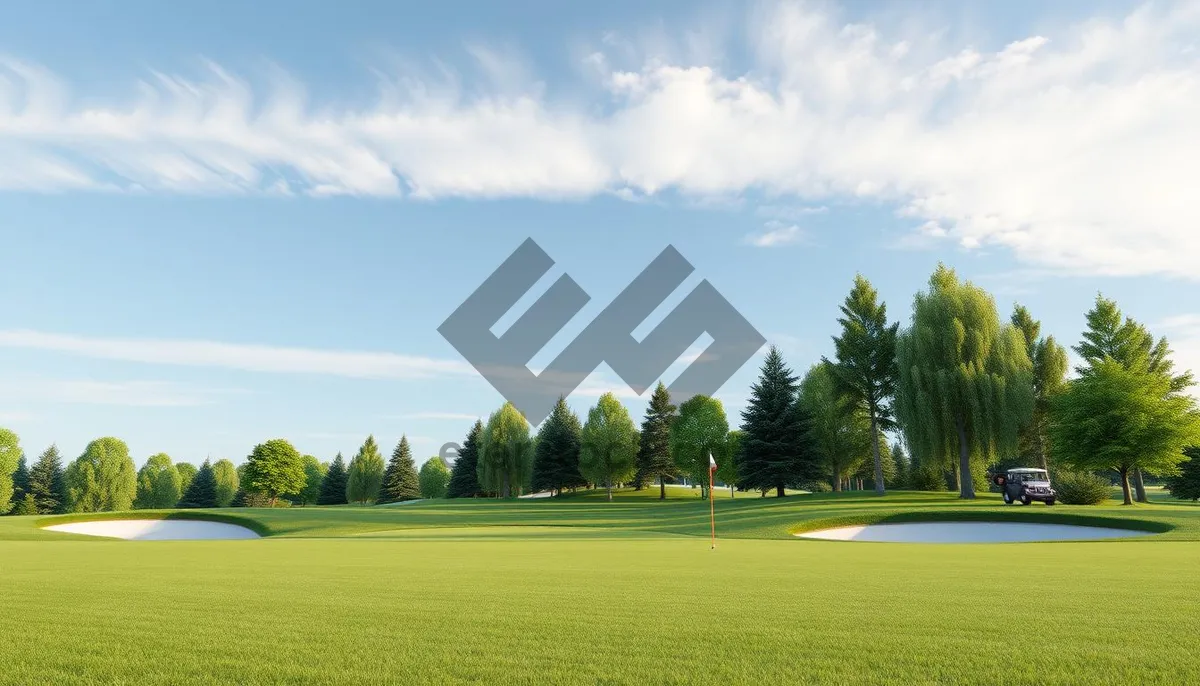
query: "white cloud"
777, 234
1075, 149
120, 393
257, 358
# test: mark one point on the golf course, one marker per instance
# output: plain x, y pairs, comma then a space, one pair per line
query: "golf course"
576, 589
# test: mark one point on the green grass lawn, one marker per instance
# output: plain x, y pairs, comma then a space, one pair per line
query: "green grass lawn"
580, 590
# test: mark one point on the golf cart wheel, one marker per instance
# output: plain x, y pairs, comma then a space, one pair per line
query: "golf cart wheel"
1049, 502
1025, 500
1007, 498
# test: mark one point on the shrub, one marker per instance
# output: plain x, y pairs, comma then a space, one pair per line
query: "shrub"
816, 487
1081, 488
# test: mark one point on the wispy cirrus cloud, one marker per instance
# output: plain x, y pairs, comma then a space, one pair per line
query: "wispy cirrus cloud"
1073, 148
777, 234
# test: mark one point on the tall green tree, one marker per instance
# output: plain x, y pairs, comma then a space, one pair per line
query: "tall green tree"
20, 480
608, 444
333, 486
226, 476
364, 478
400, 481
699, 431
1122, 418
776, 449
900, 459
506, 452
103, 478
10, 455
1111, 335
158, 484
838, 426
865, 371
654, 460
727, 469
464, 476
47, 482
965, 381
187, 472
202, 492
1186, 484
1049, 363
556, 451
314, 476
274, 468
434, 478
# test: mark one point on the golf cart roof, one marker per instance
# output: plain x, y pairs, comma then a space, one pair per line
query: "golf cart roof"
1025, 470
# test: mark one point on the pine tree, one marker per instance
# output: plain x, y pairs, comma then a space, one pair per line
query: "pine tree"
556, 453
333, 486
900, 458
47, 483
400, 481
654, 460
776, 449
202, 492
464, 480
1186, 484
20, 481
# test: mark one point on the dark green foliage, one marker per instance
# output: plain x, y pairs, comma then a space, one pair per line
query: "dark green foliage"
816, 487
333, 486
1081, 488
776, 450
400, 480
901, 467
654, 460
274, 468
865, 371
47, 483
187, 472
464, 479
1049, 361
20, 480
556, 452
1186, 484
26, 506
202, 492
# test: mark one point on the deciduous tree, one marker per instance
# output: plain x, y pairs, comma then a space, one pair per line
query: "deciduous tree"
364, 478
274, 468
333, 486
506, 452
434, 478
609, 444
400, 480
187, 472
226, 476
464, 477
314, 475
556, 451
965, 381
1049, 363
103, 478
838, 426
727, 470
10, 454
158, 484
699, 431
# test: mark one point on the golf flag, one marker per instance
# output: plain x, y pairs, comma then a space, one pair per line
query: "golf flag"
712, 511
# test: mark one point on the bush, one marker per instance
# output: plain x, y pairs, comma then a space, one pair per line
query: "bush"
1081, 488
816, 487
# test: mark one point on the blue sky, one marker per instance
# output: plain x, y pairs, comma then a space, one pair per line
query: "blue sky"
217, 232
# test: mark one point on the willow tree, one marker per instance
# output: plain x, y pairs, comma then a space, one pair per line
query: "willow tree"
965, 381
1049, 361
608, 444
505, 451
838, 427
865, 370
103, 478
700, 430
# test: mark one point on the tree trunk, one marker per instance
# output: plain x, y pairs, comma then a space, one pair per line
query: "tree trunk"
1139, 486
966, 484
1125, 486
731, 495
779, 491
608, 485
879, 490
1040, 447
662, 488
837, 480
504, 492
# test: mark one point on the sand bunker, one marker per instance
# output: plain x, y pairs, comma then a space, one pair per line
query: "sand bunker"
969, 532
157, 529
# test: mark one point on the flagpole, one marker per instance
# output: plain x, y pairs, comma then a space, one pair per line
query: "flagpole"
712, 507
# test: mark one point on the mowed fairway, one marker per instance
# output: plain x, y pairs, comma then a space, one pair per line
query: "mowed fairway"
584, 591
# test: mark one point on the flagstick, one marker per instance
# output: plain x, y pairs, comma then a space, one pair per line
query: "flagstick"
712, 508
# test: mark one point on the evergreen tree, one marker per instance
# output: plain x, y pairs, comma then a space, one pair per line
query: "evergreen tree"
1186, 484
364, 478
464, 480
202, 492
20, 480
965, 386
47, 483
865, 371
1049, 362
26, 506
654, 460
187, 472
556, 452
900, 459
333, 486
776, 449
400, 481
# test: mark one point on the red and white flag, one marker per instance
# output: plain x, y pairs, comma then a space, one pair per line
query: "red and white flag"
712, 464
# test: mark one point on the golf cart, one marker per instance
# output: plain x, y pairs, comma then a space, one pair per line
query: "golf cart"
1026, 485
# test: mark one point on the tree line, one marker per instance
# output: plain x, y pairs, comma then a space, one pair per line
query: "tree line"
964, 390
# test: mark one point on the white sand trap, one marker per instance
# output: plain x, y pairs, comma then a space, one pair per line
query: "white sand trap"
157, 529
969, 532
